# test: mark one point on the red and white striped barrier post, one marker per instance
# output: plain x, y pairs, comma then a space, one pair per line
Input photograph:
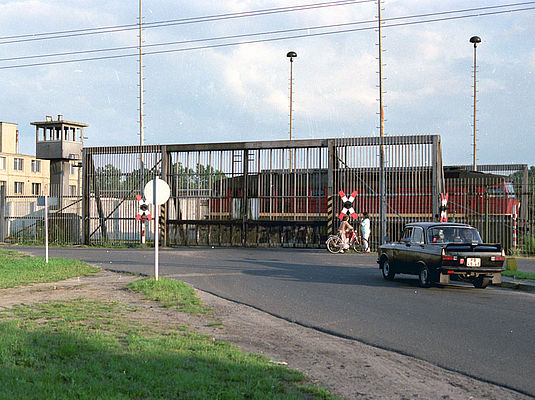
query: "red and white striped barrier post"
141, 215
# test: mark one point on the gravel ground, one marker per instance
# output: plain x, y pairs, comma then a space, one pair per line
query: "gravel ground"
348, 368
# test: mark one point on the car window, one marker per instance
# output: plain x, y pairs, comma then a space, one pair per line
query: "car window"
407, 232
417, 235
453, 234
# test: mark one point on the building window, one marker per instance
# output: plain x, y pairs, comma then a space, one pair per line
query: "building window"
72, 190
19, 187
72, 168
18, 164
36, 165
2, 163
36, 188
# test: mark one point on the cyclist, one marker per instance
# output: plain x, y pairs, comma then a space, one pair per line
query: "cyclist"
345, 227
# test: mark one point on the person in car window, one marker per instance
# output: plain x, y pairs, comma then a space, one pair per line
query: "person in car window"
466, 236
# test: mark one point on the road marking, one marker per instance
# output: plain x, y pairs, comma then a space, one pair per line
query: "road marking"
193, 274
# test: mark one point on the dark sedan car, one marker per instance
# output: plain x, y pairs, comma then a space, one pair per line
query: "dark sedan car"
437, 252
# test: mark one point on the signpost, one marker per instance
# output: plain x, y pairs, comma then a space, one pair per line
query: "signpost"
156, 192
43, 201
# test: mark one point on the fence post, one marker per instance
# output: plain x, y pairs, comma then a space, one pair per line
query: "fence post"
163, 214
85, 199
245, 201
330, 178
2, 213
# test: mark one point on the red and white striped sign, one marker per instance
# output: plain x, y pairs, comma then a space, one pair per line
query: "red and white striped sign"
348, 205
143, 209
443, 207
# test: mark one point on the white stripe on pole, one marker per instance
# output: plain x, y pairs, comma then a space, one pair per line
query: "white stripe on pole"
156, 228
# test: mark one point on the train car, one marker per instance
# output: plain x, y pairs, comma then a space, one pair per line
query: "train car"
408, 193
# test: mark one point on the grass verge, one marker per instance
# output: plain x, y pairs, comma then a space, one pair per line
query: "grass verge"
169, 293
17, 269
519, 274
100, 350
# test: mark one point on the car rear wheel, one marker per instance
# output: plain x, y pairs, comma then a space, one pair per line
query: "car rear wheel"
481, 282
424, 277
386, 270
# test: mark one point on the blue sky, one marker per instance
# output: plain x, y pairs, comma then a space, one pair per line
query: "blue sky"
241, 92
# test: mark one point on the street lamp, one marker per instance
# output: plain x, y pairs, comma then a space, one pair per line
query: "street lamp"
291, 55
475, 40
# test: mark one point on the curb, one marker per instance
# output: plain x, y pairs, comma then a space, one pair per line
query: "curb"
523, 285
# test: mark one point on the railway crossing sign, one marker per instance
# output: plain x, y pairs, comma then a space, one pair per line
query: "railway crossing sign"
156, 192
443, 207
143, 209
348, 205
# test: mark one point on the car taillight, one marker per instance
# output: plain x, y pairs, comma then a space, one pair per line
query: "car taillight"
500, 258
449, 258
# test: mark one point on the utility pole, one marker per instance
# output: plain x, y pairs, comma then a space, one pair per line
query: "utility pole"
141, 138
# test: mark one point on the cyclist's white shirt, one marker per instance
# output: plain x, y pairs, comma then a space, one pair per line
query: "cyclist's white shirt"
365, 227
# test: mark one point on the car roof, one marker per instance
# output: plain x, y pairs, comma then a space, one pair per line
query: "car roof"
427, 225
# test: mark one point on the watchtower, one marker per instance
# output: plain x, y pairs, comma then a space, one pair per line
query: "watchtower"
61, 142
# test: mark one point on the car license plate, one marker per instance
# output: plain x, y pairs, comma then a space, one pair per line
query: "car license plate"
473, 262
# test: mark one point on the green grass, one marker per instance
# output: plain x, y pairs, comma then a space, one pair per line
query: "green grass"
169, 293
97, 350
519, 274
17, 269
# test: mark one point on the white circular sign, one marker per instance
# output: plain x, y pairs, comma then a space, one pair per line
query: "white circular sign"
157, 188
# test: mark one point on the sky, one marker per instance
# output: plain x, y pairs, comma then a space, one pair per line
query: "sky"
241, 92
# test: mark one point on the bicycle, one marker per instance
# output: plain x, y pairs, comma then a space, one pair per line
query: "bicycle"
356, 242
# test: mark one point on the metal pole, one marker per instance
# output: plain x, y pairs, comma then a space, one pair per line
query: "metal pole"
475, 40
475, 107
291, 55
291, 95
156, 227
141, 138
46, 228
382, 217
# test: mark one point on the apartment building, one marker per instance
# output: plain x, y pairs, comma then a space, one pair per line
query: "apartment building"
20, 175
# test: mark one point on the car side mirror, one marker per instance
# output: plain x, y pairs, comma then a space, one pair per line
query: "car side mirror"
407, 241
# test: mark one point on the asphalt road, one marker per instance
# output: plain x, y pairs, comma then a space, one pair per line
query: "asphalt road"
488, 334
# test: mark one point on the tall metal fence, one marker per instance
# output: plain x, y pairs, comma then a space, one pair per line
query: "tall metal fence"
277, 194
498, 199
282, 193
22, 218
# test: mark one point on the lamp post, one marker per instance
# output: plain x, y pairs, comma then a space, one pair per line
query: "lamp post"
475, 40
291, 55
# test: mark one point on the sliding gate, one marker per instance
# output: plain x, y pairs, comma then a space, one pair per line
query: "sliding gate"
272, 194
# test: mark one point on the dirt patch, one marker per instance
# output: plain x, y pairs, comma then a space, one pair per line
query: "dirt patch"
351, 369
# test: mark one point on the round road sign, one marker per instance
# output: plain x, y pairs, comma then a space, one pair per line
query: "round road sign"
159, 188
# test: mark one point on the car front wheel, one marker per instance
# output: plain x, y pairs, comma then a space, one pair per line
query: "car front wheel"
388, 274
424, 277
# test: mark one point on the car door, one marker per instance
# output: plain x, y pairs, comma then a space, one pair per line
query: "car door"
403, 248
415, 250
